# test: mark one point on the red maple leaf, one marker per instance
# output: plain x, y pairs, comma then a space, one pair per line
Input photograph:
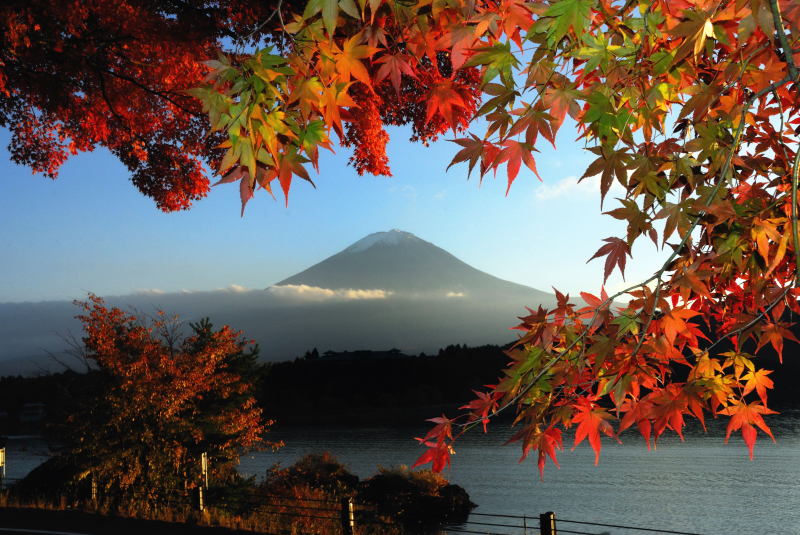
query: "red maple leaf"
615, 249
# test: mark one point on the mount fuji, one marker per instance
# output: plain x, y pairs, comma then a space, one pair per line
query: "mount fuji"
401, 263
389, 289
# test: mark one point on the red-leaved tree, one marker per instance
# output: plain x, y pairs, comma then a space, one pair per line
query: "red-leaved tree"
158, 400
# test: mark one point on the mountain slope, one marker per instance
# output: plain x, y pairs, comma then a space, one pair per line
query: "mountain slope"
389, 289
401, 262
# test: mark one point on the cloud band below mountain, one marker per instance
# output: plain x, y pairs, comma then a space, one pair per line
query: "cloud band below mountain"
315, 293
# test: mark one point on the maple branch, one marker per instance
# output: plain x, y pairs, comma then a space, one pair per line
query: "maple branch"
150, 90
602, 306
276, 11
787, 50
724, 171
665, 266
650, 317
761, 315
795, 234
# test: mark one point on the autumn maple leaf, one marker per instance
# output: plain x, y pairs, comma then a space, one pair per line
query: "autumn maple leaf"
442, 98
439, 449
549, 441
394, 66
674, 322
591, 421
483, 404
775, 334
515, 153
744, 416
348, 61
757, 380
615, 249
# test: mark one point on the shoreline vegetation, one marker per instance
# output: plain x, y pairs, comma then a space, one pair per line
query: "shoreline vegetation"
358, 387
317, 494
349, 387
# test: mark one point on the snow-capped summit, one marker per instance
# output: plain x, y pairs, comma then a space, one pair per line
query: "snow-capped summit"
391, 237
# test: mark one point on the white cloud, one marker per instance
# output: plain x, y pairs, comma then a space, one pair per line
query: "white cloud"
315, 293
231, 288
149, 291
236, 288
570, 186
406, 191
455, 294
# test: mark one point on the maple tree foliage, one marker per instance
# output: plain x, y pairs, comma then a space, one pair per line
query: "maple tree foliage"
75, 76
691, 106
159, 399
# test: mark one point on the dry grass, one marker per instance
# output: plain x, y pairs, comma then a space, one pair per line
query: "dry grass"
279, 517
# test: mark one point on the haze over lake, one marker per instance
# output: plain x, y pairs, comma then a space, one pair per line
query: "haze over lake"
389, 289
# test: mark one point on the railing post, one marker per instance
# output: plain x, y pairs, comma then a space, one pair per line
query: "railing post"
524, 525
201, 499
2, 466
348, 516
204, 468
547, 523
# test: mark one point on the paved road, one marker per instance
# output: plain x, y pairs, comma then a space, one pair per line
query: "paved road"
18, 531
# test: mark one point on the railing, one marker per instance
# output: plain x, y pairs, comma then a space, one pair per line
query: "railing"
544, 524
347, 517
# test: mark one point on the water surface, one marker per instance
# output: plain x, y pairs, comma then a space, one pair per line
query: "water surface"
700, 485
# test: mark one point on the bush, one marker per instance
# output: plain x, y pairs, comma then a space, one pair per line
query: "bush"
316, 472
421, 497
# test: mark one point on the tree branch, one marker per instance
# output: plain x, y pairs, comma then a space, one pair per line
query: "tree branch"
787, 50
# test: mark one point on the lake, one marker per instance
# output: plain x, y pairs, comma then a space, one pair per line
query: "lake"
700, 485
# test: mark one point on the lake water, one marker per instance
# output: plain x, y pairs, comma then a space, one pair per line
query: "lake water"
700, 485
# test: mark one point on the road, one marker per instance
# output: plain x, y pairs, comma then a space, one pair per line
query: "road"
18, 531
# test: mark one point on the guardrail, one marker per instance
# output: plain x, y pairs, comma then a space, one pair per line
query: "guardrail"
543, 524
349, 517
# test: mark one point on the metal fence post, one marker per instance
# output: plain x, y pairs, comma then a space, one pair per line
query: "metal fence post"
2, 467
204, 468
547, 523
94, 490
201, 499
348, 516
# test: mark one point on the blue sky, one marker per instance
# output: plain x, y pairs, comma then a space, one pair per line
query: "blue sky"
90, 230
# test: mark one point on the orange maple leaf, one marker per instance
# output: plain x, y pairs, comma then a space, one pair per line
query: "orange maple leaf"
348, 61
591, 421
442, 98
757, 380
744, 417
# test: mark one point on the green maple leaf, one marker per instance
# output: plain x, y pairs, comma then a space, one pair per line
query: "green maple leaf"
498, 60
569, 15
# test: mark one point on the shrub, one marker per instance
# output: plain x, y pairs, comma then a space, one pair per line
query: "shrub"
421, 497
